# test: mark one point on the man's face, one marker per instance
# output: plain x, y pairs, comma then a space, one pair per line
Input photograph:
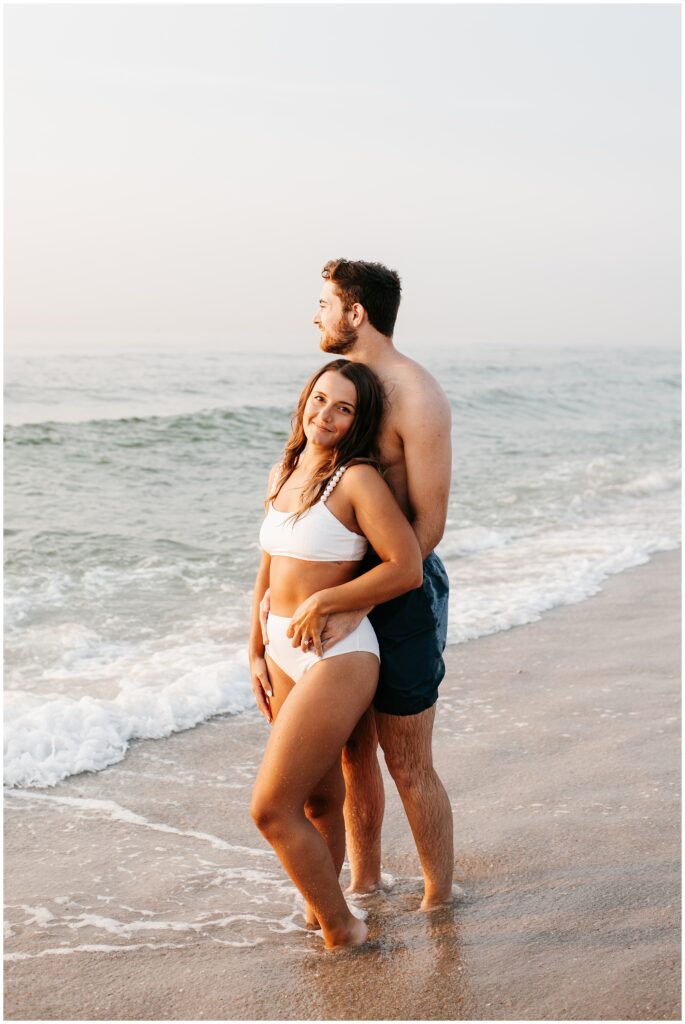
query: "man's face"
336, 333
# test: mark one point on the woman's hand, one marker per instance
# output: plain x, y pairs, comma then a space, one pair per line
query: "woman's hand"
261, 685
306, 625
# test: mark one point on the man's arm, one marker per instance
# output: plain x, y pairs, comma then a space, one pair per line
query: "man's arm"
425, 425
390, 535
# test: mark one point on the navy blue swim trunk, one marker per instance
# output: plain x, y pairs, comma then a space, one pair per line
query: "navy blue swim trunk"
412, 633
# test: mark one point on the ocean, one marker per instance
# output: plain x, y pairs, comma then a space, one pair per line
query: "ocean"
133, 497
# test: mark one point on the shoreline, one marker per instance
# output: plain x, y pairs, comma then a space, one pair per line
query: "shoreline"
557, 742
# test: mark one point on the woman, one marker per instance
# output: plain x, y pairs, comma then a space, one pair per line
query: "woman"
326, 501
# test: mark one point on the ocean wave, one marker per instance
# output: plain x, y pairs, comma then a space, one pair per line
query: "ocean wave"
470, 540
134, 499
653, 483
57, 431
516, 585
50, 736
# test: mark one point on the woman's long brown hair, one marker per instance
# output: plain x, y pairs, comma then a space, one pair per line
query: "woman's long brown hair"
360, 443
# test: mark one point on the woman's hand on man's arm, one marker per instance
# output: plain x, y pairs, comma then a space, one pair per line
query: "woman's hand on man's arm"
307, 623
340, 625
325, 631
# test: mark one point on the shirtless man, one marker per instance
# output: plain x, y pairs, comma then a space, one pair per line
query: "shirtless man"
356, 318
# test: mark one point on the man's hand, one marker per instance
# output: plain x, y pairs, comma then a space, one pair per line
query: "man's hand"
339, 625
264, 608
261, 686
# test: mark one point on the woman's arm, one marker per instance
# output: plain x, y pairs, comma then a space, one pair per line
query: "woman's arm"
390, 534
261, 684
261, 585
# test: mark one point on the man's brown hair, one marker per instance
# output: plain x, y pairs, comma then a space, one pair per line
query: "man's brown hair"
372, 285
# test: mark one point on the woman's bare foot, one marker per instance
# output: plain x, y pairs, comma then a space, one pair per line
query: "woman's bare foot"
359, 933
355, 934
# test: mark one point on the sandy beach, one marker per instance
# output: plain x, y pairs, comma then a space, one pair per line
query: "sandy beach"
144, 891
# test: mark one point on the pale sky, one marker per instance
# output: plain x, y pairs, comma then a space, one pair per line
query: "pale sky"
176, 176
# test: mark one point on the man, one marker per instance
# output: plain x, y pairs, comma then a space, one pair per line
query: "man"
356, 318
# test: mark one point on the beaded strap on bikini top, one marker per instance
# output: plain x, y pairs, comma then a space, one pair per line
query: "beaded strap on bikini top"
331, 483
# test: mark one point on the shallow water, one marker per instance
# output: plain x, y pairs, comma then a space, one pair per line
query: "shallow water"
144, 890
133, 499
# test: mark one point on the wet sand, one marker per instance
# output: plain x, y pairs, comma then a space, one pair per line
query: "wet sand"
144, 891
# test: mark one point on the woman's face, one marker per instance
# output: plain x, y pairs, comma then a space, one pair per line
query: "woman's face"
330, 410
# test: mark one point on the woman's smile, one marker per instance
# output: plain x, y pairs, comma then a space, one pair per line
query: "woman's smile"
334, 398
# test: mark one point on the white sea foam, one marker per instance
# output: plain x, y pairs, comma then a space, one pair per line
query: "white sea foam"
653, 483
48, 737
470, 540
115, 812
497, 583
95, 947
515, 585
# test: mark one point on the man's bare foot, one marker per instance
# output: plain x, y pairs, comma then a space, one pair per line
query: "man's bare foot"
434, 902
383, 884
363, 888
355, 934
310, 919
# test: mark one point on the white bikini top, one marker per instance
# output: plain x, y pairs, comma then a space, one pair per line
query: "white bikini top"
317, 536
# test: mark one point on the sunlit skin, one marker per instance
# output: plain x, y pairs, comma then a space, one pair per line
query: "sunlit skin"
298, 796
328, 415
337, 326
414, 443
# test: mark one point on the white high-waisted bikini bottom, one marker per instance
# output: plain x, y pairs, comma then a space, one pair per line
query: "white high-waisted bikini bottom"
295, 662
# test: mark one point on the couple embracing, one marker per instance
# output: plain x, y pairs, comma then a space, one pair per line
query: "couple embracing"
350, 609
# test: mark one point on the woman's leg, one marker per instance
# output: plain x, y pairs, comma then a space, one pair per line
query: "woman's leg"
305, 743
324, 806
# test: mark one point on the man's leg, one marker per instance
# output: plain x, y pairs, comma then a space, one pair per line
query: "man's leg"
407, 745
364, 805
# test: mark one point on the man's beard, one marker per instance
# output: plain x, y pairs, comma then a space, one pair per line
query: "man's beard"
341, 341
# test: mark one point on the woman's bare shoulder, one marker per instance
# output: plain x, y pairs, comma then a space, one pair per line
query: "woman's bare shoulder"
362, 470
362, 476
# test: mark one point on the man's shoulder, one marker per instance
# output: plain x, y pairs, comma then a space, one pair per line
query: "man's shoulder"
416, 386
